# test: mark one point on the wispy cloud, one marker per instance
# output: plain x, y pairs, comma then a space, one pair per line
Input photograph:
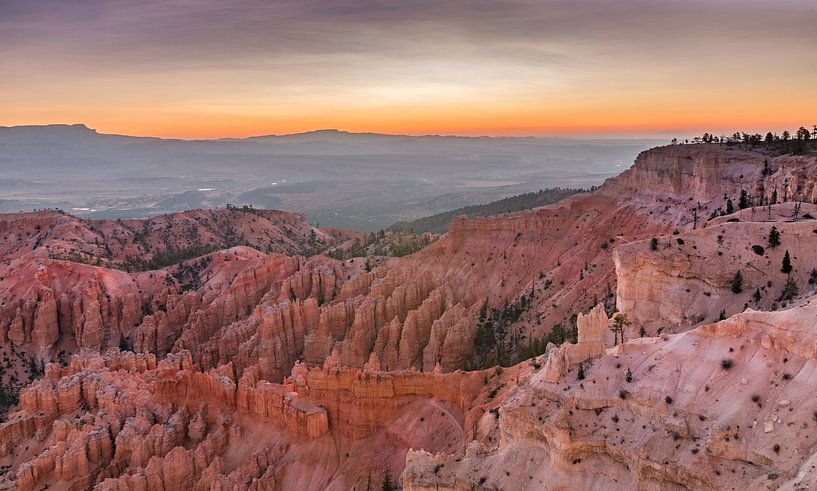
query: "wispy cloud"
535, 61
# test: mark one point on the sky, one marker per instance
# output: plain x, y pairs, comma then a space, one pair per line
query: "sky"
215, 68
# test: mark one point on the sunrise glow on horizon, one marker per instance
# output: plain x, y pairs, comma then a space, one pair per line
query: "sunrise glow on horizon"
206, 69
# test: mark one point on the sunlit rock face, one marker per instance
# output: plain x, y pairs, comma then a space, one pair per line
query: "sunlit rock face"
218, 349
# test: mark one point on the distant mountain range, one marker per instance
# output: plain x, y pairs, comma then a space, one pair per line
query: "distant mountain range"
365, 181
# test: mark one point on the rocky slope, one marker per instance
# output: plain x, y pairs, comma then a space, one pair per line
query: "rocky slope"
230, 355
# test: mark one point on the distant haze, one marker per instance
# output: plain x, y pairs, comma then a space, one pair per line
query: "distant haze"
364, 181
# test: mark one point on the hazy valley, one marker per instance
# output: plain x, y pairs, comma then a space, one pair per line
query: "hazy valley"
357, 180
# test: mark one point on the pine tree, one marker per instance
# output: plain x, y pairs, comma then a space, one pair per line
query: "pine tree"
756, 295
786, 268
774, 237
790, 290
730, 208
744, 199
737, 283
387, 484
620, 322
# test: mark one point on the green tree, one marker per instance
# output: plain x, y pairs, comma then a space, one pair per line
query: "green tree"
620, 322
387, 484
790, 289
654, 244
786, 268
737, 283
744, 200
730, 208
774, 237
756, 295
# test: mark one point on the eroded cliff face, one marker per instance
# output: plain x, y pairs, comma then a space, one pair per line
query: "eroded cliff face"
252, 367
723, 406
123, 421
718, 405
687, 279
707, 173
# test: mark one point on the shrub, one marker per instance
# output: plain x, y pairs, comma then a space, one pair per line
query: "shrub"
727, 363
758, 249
580, 375
654, 244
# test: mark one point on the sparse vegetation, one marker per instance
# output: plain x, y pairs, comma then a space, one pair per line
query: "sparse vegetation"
491, 343
166, 258
802, 142
438, 223
557, 335
382, 243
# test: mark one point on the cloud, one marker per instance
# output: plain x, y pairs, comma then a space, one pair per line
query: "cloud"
310, 54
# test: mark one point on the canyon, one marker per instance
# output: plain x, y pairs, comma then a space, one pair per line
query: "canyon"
223, 349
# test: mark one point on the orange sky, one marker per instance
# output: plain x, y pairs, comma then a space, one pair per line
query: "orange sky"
185, 68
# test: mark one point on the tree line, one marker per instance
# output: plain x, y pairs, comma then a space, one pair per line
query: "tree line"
801, 141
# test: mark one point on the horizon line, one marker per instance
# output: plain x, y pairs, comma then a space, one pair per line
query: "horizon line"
656, 135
